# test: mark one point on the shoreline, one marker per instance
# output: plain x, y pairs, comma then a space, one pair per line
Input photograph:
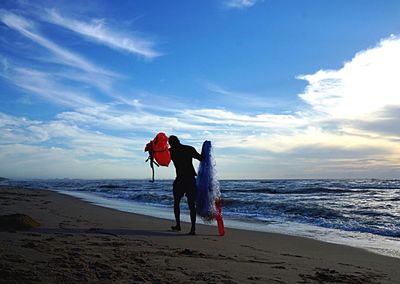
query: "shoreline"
370, 242
83, 242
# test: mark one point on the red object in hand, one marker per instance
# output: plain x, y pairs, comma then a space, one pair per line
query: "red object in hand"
158, 149
220, 221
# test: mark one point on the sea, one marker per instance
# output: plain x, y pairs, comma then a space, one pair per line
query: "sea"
363, 213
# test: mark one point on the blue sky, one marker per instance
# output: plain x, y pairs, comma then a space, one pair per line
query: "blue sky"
283, 89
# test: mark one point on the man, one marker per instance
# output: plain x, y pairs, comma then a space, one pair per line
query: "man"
185, 181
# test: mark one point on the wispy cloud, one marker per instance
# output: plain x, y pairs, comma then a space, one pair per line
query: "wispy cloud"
47, 86
128, 120
240, 4
98, 31
255, 122
83, 141
64, 149
243, 99
27, 29
220, 90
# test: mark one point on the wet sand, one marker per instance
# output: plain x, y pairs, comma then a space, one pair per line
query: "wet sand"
78, 242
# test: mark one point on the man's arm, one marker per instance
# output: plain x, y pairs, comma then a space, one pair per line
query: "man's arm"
196, 155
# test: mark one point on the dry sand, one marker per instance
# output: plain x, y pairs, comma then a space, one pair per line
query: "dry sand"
78, 242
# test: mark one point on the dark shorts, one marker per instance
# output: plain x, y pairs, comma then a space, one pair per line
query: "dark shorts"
185, 186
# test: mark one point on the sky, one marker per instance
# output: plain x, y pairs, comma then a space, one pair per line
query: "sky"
283, 89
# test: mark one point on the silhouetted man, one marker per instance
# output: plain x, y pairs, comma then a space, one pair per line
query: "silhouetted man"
185, 181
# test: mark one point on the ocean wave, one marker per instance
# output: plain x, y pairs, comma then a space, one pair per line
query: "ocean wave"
288, 209
113, 186
373, 213
151, 198
306, 190
302, 210
368, 184
389, 231
229, 202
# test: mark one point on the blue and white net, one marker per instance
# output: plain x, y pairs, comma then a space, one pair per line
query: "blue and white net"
207, 185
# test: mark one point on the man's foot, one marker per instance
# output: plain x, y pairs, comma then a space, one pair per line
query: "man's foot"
176, 228
192, 232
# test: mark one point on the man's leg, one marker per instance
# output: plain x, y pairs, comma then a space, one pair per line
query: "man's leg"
178, 194
192, 207
191, 198
177, 212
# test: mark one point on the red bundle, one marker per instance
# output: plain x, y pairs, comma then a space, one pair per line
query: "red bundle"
158, 152
158, 149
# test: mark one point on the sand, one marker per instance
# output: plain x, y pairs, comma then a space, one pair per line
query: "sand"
78, 242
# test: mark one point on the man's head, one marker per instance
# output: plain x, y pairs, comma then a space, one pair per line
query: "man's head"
173, 141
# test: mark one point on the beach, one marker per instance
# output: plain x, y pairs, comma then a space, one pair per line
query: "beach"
78, 242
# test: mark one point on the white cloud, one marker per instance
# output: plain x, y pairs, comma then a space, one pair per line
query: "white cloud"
348, 109
240, 4
364, 85
96, 30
